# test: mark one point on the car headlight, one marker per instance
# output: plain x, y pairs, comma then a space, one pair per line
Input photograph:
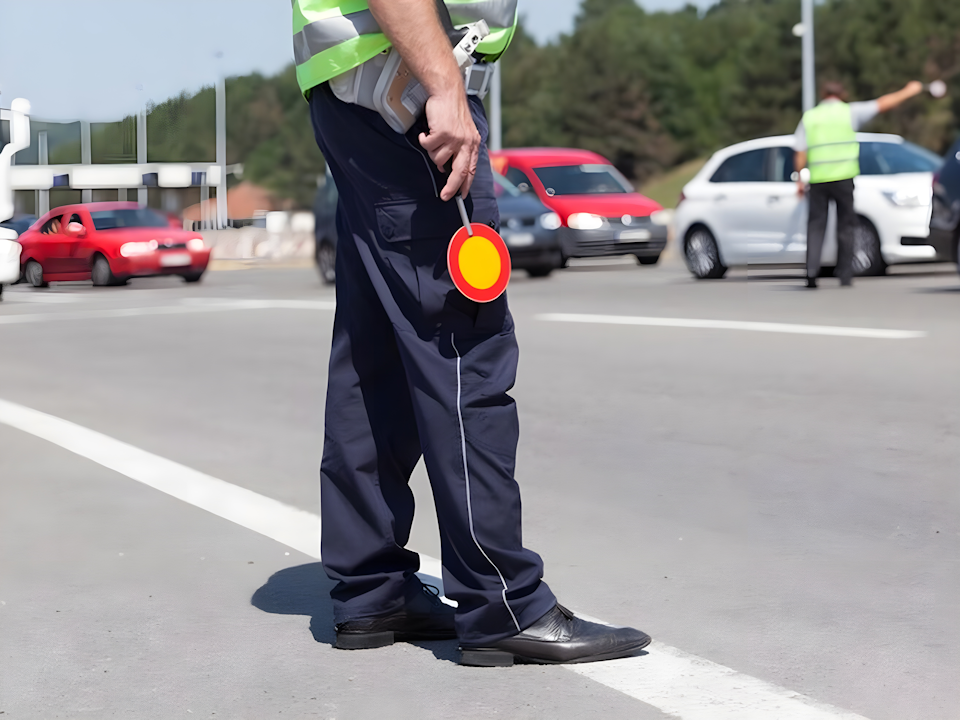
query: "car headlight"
195, 244
902, 198
138, 248
662, 217
550, 221
585, 221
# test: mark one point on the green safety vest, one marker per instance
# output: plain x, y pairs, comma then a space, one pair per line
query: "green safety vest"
833, 152
331, 37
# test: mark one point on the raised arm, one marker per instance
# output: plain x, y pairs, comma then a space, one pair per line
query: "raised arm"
889, 102
416, 32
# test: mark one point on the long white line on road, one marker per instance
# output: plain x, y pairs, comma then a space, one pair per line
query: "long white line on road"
679, 684
767, 327
187, 307
296, 528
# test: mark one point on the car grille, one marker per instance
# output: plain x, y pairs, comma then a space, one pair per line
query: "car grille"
175, 246
515, 223
605, 240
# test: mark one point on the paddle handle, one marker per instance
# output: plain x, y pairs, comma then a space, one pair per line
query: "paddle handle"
463, 215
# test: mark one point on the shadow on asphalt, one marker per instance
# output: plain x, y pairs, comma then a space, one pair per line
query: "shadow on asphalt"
951, 289
305, 590
301, 590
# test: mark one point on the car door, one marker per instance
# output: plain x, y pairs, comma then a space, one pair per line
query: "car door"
53, 247
785, 209
81, 248
739, 190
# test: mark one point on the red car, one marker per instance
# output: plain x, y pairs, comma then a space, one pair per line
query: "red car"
109, 243
601, 212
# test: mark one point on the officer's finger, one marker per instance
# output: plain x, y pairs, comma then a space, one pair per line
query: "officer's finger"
470, 155
460, 177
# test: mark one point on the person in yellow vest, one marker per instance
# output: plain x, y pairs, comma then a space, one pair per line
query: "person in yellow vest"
826, 143
416, 368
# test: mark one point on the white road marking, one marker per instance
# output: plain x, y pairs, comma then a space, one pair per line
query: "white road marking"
188, 306
243, 304
49, 298
292, 527
768, 327
692, 688
679, 684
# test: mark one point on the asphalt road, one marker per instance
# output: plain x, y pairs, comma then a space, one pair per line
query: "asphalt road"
785, 505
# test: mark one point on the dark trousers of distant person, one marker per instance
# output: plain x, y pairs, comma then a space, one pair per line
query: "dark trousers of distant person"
416, 368
819, 196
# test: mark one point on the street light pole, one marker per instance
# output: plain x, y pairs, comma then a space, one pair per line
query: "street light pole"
222, 152
809, 76
496, 123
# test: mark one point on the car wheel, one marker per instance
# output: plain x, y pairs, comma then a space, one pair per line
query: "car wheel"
648, 259
327, 262
702, 254
867, 258
33, 273
102, 275
540, 271
192, 277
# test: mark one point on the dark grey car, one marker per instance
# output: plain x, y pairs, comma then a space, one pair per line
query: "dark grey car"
529, 228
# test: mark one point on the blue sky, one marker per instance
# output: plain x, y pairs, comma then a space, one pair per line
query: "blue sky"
102, 59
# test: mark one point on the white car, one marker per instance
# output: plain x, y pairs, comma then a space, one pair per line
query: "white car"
742, 208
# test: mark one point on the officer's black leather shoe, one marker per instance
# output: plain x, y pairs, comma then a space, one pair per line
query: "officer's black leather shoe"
558, 637
812, 283
424, 617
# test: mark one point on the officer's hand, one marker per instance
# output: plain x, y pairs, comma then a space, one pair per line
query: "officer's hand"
801, 188
914, 87
453, 137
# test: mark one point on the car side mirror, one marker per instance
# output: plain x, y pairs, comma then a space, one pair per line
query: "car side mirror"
75, 230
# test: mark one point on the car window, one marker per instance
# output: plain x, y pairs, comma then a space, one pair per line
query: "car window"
126, 218
75, 218
519, 179
781, 164
743, 167
583, 180
51, 226
502, 186
884, 158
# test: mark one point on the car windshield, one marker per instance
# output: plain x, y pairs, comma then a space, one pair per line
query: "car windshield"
583, 180
127, 218
501, 185
886, 158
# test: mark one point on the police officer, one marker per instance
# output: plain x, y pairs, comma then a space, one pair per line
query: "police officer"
826, 141
415, 367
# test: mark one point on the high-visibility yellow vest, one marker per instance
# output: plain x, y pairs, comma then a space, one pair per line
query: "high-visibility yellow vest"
331, 37
833, 152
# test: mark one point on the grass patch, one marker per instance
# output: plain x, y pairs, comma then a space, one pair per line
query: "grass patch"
665, 188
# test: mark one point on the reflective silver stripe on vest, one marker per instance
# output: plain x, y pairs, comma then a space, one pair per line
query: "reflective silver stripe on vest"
324, 34
497, 13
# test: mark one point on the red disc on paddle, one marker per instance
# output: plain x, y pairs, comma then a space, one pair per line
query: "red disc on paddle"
479, 264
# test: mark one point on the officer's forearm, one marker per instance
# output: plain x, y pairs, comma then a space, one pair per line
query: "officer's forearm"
415, 30
889, 102
799, 160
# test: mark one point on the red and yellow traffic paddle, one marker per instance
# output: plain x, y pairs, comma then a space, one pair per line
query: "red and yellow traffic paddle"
478, 260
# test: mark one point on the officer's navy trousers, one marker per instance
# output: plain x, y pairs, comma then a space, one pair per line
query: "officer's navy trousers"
417, 369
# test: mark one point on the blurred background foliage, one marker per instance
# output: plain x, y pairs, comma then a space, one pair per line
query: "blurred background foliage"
653, 92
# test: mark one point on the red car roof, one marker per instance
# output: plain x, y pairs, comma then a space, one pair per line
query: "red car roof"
92, 207
557, 156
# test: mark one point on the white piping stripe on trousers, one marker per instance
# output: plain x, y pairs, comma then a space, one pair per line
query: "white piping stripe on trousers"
466, 478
